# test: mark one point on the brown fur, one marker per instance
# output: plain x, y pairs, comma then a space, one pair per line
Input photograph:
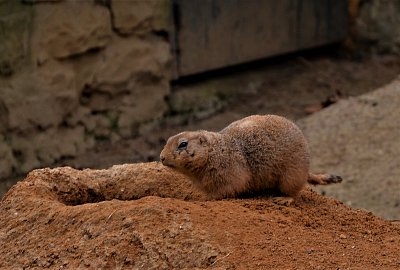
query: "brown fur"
250, 155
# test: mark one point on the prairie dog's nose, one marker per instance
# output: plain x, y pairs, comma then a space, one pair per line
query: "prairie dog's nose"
162, 158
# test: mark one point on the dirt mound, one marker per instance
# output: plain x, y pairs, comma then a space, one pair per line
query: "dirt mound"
144, 216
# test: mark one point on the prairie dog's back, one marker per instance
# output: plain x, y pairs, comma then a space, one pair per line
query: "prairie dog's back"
271, 144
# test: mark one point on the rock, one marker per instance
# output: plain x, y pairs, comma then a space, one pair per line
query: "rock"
3, 117
15, 23
69, 28
7, 161
358, 138
129, 81
379, 24
200, 102
42, 97
141, 16
127, 59
102, 125
58, 143
43, 148
145, 103
39, 1
24, 153
78, 116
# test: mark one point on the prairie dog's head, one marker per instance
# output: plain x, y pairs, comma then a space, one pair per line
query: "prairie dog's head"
186, 152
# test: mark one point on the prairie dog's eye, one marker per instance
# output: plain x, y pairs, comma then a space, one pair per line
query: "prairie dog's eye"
182, 145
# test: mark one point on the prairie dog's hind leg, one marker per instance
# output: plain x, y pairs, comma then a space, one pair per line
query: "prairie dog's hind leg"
290, 186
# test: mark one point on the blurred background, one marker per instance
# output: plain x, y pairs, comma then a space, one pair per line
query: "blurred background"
92, 83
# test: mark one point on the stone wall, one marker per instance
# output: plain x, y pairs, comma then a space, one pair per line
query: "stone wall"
76, 72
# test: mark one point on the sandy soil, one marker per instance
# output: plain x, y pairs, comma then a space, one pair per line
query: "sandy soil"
145, 216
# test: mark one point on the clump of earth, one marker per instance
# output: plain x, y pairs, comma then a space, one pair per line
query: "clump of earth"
147, 216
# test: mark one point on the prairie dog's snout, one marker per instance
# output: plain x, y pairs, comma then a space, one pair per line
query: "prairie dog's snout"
162, 158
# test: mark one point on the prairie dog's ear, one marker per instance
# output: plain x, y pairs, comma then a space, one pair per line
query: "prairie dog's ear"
202, 139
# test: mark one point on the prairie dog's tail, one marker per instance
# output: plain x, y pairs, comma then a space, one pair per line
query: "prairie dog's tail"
323, 179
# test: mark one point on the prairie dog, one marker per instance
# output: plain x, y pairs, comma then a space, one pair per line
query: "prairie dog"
255, 153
